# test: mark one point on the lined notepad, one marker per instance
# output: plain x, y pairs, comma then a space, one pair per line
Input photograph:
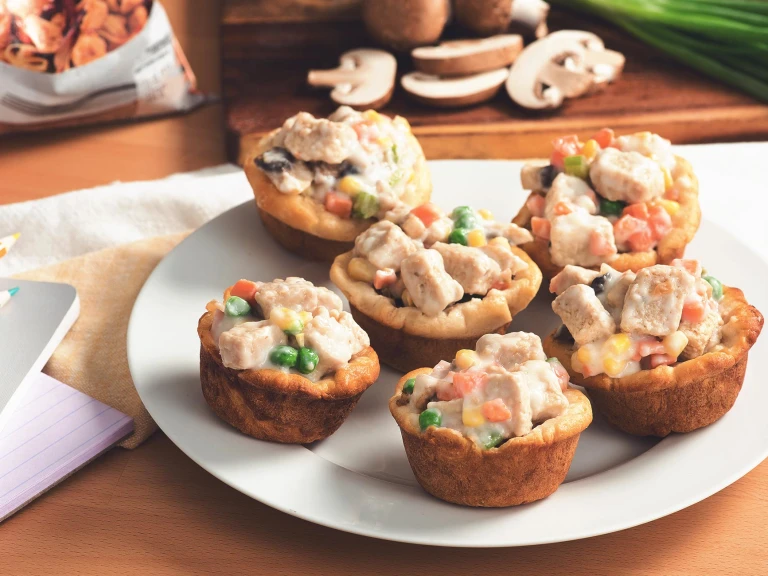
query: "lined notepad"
54, 431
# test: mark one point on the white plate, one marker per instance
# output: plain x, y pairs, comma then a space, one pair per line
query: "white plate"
358, 480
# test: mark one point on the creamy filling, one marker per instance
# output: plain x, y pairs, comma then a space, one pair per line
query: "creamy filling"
604, 197
501, 390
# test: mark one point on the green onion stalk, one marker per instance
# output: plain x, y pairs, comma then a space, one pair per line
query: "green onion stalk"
725, 39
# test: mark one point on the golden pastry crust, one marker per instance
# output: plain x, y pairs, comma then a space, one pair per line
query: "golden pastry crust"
680, 398
406, 338
523, 469
685, 223
310, 217
272, 405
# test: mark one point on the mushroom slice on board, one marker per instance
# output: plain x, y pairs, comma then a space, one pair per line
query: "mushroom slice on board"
364, 79
463, 57
454, 92
565, 64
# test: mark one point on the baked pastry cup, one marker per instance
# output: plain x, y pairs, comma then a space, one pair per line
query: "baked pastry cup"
680, 398
406, 338
682, 204
523, 469
303, 225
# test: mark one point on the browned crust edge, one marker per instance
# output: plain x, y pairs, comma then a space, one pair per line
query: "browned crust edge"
688, 396
279, 407
524, 469
684, 226
303, 243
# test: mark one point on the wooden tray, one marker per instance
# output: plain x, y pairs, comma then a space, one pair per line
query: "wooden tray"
268, 47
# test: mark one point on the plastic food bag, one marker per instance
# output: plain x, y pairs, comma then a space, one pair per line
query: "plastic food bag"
73, 62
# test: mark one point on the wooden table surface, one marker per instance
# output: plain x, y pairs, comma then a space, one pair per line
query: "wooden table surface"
153, 511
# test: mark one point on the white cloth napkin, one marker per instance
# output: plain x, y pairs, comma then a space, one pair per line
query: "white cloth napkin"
68, 225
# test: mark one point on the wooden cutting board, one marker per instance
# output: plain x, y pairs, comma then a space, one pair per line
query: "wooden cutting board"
268, 47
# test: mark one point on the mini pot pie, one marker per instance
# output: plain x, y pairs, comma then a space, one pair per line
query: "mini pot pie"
497, 426
660, 351
320, 182
281, 361
435, 283
627, 201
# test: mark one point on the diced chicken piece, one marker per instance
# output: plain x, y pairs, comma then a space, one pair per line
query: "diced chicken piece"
385, 245
424, 390
512, 232
648, 144
626, 176
573, 237
583, 314
703, 335
345, 114
414, 227
512, 388
294, 293
534, 177
317, 139
570, 276
614, 289
473, 269
335, 337
438, 231
569, 193
450, 412
398, 214
654, 303
429, 285
546, 394
441, 370
248, 345
506, 259
511, 349
221, 323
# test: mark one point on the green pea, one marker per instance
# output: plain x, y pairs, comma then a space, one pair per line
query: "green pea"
236, 306
307, 360
717, 287
460, 211
611, 207
459, 236
430, 417
284, 356
408, 386
494, 439
468, 221
366, 205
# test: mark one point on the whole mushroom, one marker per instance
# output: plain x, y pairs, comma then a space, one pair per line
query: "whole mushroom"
488, 17
406, 24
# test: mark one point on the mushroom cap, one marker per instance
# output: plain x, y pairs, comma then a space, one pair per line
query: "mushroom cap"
462, 57
406, 24
483, 17
454, 92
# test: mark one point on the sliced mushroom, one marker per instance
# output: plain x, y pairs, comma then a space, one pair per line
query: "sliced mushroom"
364, 79
463, 57
406, 24
565, 64
454, 92
486, 17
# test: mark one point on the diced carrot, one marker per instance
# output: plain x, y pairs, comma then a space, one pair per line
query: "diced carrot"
626, 226
693, 310
245, 289
562, 147
639, 211
466, 382
562, 375
384, 278
641, 241
672, 194
447, 391
659, 221
562, 208
541, 227
496, 411
535, 204
339, 204
604, 137
228, 293
651, 346
599, 244
687, 264
661, 360
427, 213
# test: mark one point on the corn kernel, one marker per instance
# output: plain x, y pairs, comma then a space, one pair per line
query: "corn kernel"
349, 185
300, 340
305, 316
287, 320
670, 206
485, 214
584, 355
577, 364
372, 115
675, 343
613, 367
476, 238
406, 298
472, 417
668, 182
465, 359
500, 241
617, 345
590, 149
361, 270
